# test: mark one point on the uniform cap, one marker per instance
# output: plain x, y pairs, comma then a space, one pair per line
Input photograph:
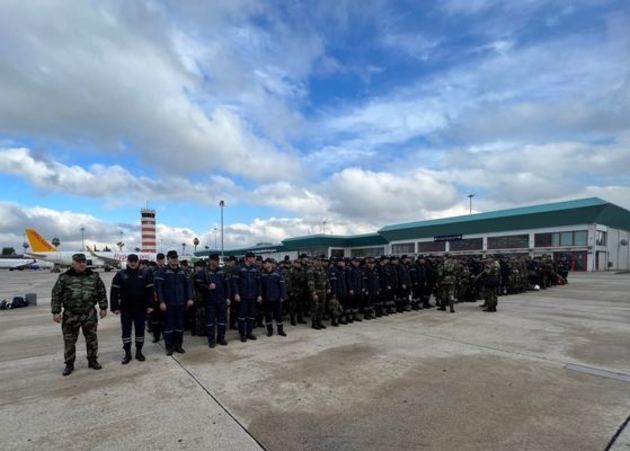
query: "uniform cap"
249, 254
132, 258
78, 257
215, 257
159, 256
171, 254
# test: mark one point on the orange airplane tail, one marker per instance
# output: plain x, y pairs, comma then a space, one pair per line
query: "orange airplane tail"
37, 242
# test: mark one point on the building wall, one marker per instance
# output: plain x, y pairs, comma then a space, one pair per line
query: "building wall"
618, 255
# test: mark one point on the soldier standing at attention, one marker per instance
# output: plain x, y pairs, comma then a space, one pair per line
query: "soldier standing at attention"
175, 294
356, 290
218, 300
131, 295
200, 294
273, 289
77, 291
490, 276
447, 281
318, 287
246, 286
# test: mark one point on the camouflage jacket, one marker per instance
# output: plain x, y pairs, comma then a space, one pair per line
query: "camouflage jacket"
296, 281
78, 292
447, 272
317, 281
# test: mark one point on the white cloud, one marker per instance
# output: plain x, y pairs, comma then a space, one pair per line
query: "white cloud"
114, 183
127, 83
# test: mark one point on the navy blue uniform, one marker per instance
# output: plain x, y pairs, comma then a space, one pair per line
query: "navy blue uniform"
356, 289
246, 284
372, 290
274, 290
174, 288
339, 285
216, 299
387, 278
404, 286
132, 294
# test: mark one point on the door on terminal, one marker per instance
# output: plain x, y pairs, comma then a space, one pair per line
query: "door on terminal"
577, 260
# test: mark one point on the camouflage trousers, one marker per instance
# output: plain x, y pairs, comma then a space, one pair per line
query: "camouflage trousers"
335, 309
70, 324
446, 294
490, 296
317, 306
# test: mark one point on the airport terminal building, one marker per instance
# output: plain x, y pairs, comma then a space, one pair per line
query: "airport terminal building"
593, 234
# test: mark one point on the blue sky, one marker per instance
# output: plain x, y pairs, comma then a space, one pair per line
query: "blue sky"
357, 113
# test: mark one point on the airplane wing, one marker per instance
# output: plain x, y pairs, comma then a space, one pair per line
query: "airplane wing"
108, 260
22, 265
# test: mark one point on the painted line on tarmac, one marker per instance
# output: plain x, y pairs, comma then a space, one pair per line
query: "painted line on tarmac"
617, 434
598, 372
219, 403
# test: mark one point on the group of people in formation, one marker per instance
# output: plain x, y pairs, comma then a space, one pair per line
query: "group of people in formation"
170, 297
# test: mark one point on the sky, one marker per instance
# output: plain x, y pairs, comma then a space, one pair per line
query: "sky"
356, 114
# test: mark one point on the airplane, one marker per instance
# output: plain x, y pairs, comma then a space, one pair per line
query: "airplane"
41, 249
19, 264
119, 259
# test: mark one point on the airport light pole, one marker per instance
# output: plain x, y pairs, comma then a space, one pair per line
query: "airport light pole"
470, 196
222, 204
215, 238
82, 239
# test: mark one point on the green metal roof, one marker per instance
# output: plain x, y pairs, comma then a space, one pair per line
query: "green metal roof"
319, 240
581, 211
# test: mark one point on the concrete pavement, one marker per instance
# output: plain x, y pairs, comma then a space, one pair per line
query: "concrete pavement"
549, 371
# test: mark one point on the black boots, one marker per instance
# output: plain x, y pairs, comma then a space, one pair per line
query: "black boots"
292, 319
269, 331
315, 325
139, 355
452, 309
180, 350
355, 317
68, 369
156, 337
127, 358
281, 331
334, 322
490, 309
222, 341
251, 336
94, 365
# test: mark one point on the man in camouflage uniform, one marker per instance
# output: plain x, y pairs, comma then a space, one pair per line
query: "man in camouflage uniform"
447, 281
547, 271
490, 276
318, 286
295, 277
77, 291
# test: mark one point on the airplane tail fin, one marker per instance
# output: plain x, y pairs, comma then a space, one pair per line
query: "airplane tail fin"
37, 242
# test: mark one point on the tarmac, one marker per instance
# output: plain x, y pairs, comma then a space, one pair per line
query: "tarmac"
549, 371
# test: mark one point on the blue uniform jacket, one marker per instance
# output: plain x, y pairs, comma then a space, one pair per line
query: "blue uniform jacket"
173, 286
246, 282
273, 286
372, 282
222, 291
356, 280
338, 282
